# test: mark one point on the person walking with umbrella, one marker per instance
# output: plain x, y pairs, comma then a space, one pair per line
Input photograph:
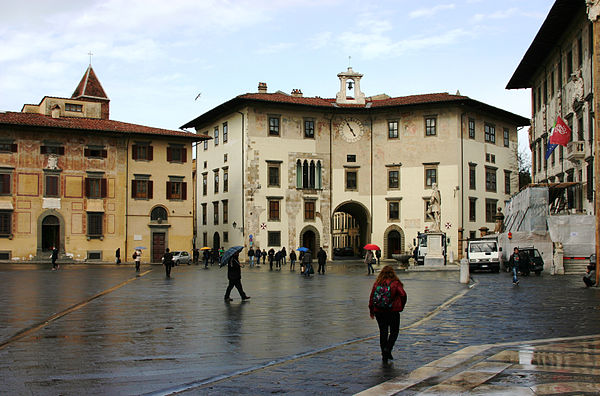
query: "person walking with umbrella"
307, 262
369, 262
234, 273
137, 254
386, 301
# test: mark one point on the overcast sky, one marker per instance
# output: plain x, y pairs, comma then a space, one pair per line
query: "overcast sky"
153, 57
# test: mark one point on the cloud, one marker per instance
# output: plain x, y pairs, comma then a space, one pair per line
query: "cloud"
429, 12
508, 13
274, 48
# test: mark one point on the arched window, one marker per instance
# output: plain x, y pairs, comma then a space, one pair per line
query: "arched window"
298, 174
319, 180
158, 213
305, 174
311, 175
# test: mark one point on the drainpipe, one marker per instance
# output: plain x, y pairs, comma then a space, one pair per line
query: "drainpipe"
371, 194
243, 220
331, 186
462, 185
126, 252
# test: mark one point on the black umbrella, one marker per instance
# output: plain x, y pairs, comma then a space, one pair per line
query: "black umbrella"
230, 252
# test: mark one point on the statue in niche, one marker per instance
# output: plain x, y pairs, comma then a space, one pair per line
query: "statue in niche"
434, 209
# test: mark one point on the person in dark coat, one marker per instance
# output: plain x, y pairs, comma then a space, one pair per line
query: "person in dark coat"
264, 256
234, 275
278, 259
307, 263
386, 308
196, 255
54, 257
251, 257
292, 260
283, 255
271, 257
322, 259
516, 261
118, 256
206, 257
257, 255
167, 260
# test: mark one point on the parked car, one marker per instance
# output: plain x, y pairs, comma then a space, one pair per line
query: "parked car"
536, 261
345, 251
181, 257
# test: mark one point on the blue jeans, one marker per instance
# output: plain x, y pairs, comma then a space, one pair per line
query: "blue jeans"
514, 269
251, 261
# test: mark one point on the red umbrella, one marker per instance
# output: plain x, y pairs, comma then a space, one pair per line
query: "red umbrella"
371, 246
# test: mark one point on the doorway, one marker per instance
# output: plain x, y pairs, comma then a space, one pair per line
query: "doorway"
308, 240
216, 241
50, 233
394, 244
158, 246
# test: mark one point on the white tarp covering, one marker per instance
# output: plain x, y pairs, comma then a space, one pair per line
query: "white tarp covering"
541, 242
527, 211
577, 233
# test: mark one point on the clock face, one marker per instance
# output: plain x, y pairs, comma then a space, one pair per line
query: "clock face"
351, 130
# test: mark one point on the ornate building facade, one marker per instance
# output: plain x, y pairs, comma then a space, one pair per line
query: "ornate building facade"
280, 167
72, 178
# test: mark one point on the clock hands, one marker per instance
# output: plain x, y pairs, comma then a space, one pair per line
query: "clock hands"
351, 130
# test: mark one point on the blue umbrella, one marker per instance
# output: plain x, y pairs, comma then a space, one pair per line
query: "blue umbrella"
230, 252
302, 249
139, 247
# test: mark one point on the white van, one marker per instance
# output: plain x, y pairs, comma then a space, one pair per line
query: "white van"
484, 254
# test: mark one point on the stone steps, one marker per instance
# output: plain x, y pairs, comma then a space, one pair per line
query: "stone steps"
575, 267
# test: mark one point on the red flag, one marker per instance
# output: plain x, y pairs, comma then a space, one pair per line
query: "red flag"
561, 133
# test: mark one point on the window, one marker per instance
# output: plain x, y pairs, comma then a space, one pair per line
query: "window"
507, 182
393, 129
205, 238
274, 238
204, 183
590, 180
351, 180
216, 136
95, 152
216, 181
216, 212
309, 210
394, 210
176, 154
545, 91
472, 177
308, 174
273, 174
472, 209
51, 185
206, 143
94, 226
225, 157
309, 128
225, 236
491, 158
52, 149
225, 180
579, 52
506, 137
73, 107
176, 189
490, 210
274, 209
569, 64
5, 223
471, 128
560, 74
5, 183
274, 125
225, 204
159, 214
204, 213
142, 152
430, 123
430, 176
490, 179
490, 133
580, 136
351, 158
6, 147
552, 78
141, 188
225, 132
95, 187
393, 179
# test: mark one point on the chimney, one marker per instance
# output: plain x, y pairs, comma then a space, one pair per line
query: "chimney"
297, 93
56, 111
262, 87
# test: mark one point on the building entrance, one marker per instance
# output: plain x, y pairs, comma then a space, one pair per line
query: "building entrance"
50, 233
351, 229
158, 246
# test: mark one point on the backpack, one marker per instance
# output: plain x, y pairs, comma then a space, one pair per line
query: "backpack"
382, 297
134, 255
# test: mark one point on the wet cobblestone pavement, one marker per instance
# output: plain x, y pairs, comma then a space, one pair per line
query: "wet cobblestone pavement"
297, 336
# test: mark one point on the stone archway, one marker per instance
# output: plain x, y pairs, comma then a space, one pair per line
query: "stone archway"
358, 233
50, 232
393, 241
310, 238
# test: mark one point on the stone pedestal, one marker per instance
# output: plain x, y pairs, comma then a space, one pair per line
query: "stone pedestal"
558, 267
435, 250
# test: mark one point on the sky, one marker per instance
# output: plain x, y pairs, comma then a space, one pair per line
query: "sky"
154, 57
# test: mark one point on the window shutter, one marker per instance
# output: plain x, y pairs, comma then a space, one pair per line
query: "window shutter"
61, 150
134, 152
86, 152
87, 187
5, 184
150, 188
43, 150
184, 155
184, 191
104, 153
168, 190
169, 155
14, 148
103, 188
150, 153
133, 188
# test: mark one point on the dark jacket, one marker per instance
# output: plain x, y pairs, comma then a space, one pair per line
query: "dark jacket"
234, 271
55, 253
292, 255
168, 258
257, 254
398, 298
322, 256
307, 258
271, 253
250, 252
520, 261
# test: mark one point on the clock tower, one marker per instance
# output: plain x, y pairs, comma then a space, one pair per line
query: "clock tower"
350, 88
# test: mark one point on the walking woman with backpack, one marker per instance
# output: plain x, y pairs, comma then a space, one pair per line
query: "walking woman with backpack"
386, 301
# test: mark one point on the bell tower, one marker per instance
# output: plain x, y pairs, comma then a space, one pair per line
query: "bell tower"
350, 92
